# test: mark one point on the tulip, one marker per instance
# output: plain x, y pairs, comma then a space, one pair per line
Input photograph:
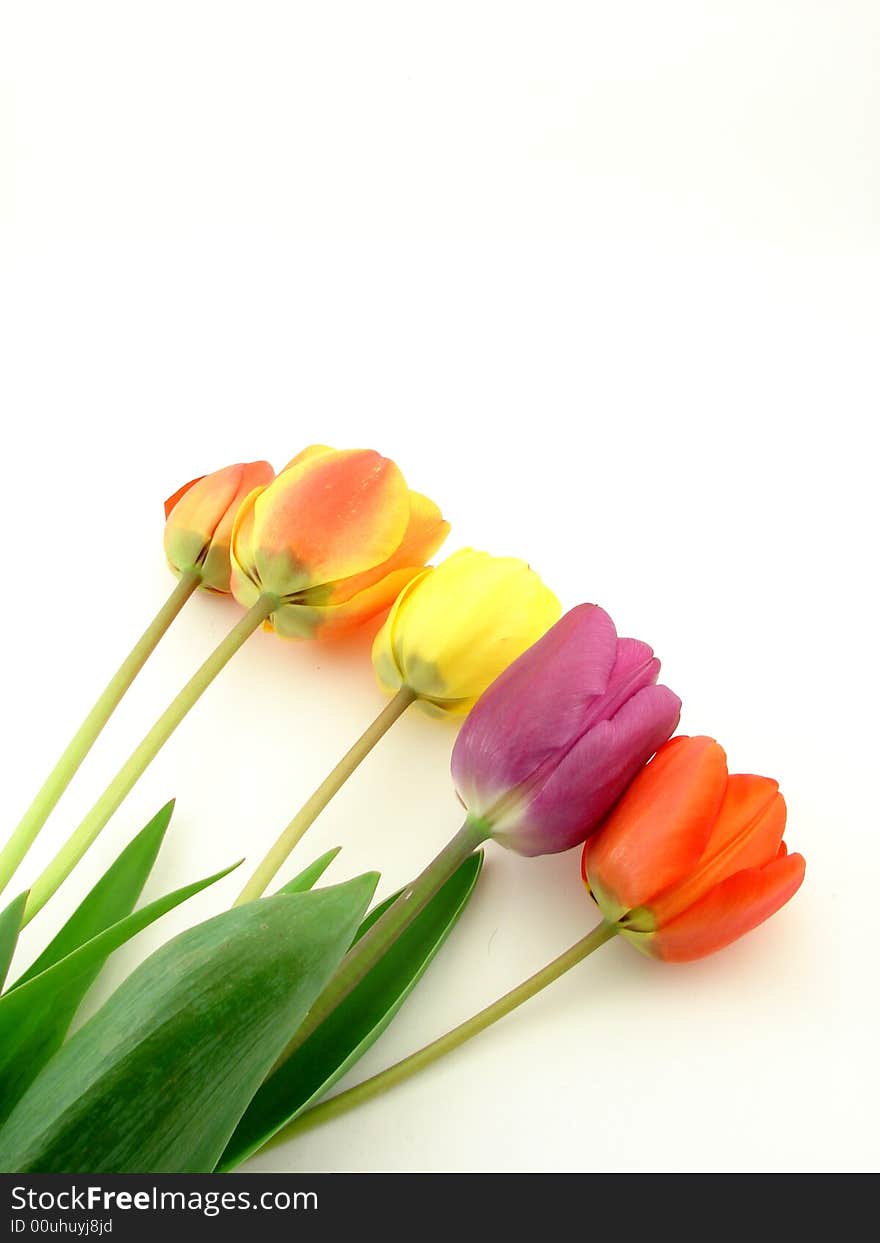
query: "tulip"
322, 547
688, 861
199, 519
450, 632
454, 629
198, 529
541, 758
333, 539
691, 858
557, 738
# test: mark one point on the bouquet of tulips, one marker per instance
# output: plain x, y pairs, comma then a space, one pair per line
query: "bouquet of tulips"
234, 1032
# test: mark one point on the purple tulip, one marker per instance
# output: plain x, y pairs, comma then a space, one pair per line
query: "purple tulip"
556, 739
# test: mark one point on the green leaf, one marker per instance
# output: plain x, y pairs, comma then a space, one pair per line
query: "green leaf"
112, 898
158, 1078
10, 926
376, 913
312, 874
357, 1023
34, 1018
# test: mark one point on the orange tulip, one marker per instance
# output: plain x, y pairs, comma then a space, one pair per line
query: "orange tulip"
335, 537
199, 518
691, 859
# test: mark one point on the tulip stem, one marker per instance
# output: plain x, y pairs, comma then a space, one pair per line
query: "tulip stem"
142, 756
85, 737
453, 1039
330, 786
376, 942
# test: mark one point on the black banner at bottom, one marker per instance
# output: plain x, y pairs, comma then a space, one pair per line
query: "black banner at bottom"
280, 1206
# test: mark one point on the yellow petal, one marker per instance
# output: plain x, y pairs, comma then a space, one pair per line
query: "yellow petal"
388, 672
245, 580
456, 629
305, 455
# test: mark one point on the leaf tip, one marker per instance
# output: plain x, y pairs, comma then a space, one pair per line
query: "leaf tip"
162, 819
19, 902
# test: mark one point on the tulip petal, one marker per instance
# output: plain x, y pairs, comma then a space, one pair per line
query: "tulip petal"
245, 580
468, 622
750, 824
385, 664
733, 908
658, 831
746, 834
635, 667
331, 516
536, 708
200, 517
592, 775
175, 497
196, 511
425, 532
216, 569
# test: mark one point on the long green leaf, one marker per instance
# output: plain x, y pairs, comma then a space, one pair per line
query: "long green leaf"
312, 874
357, 1023
35, 1017
158, 1078
10, 925
112, 898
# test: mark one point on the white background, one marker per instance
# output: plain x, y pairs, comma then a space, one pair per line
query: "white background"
604, 280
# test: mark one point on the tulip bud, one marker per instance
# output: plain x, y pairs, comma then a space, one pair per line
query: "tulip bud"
334, 537
454, 628
691, 859
199, 519
557, 738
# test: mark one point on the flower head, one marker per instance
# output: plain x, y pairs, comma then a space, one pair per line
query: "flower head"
691, 859
334, 537
199, 518
453, 629
557, 738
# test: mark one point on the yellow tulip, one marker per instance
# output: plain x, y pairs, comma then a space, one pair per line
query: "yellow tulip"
455, 628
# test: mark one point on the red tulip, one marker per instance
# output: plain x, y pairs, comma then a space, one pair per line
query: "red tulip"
691, 859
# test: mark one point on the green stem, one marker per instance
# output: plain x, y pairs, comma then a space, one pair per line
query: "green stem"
142, 756
397, 1073
331, 785
84, 739
364, 955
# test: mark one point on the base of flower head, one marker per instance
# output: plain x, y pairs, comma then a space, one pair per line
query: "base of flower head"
479, 827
